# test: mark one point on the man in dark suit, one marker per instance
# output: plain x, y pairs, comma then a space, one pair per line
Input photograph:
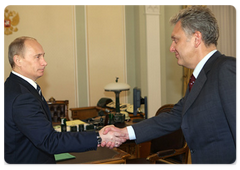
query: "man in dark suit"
29, 135
207, 112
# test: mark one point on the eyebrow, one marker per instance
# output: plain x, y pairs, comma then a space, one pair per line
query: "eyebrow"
173, 37
39, 54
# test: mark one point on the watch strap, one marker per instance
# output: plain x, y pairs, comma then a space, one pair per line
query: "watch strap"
99, 139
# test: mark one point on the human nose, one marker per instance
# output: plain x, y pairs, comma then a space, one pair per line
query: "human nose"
172, 47
44, 63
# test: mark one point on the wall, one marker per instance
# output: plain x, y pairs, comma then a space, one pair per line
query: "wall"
54, 28
165, 66
171, 72
130, 49
105, 50
88, 46
82, 62
136, 49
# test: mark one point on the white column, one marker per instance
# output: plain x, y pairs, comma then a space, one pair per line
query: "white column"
153, 58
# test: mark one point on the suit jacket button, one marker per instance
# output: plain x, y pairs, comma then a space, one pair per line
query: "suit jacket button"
192, 151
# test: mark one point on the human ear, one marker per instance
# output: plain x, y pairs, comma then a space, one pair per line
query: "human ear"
198, 38
17, 60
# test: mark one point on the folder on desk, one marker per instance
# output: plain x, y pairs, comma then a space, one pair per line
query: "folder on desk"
69, 123
63, 156
74, 122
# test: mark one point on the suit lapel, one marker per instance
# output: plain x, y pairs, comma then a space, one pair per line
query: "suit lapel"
199, 83
46, 108
34, 92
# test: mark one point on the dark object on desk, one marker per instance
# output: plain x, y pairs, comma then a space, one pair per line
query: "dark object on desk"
119, 118
103, 102
89, 127
94, 123
138, 101
89, 120
114, 118
120, 125
81, 128
63, 124
73, 128
171, 148
101, 114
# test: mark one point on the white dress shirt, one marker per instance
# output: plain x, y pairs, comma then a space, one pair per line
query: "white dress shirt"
196, 72
30, 81
200, 65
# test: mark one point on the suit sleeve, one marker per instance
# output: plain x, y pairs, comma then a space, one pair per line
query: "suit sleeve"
227, 92
160, 125
32, 121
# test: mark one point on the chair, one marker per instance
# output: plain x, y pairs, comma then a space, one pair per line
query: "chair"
58, 109
171, 148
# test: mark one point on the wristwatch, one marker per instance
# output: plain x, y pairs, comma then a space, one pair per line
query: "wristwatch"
99, 139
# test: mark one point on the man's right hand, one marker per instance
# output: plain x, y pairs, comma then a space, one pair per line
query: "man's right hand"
113, 136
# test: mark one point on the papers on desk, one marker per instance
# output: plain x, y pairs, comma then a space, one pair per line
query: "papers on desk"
63, 156
74, 122
69, 124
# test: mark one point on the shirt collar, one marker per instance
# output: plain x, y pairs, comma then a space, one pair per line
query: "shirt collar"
30, 81
202, 63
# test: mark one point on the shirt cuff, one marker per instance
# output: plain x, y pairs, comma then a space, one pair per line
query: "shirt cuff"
131, 133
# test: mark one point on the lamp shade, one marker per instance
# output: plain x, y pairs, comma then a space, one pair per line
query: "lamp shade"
117, 87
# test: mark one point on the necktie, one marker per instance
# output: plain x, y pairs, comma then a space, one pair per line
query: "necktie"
191, 82
39, 91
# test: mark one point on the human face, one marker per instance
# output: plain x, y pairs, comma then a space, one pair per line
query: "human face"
32, 64
183, 47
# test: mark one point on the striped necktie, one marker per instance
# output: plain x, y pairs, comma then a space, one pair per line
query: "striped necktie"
191, 82
39, 91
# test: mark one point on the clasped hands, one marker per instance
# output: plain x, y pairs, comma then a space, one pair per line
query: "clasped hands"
113, 136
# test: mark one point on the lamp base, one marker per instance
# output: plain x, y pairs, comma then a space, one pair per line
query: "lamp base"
119, 118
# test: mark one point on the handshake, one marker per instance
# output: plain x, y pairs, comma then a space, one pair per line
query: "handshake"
113, 136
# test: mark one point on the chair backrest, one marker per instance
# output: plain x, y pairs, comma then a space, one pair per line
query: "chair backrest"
58, 109
174, 140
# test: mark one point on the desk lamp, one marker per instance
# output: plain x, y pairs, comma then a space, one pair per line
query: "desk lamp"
117, 88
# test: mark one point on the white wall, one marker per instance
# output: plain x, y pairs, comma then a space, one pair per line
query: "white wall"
54, 28
104, 40
106, 50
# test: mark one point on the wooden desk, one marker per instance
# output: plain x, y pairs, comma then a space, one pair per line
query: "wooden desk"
83, 113
100, 156
137, 151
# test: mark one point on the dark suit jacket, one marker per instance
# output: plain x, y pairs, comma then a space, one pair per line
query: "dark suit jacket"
29, 135
207, 114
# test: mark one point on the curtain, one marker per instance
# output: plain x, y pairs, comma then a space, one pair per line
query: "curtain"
226, 18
